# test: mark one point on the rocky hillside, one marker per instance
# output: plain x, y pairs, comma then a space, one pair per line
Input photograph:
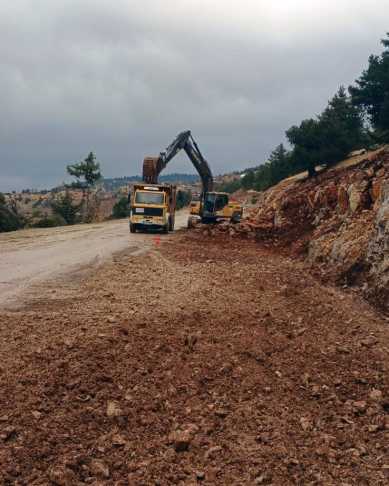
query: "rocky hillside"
338, 222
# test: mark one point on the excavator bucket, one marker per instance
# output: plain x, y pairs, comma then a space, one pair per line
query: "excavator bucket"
150, 170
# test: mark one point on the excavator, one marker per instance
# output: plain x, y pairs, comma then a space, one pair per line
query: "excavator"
213, 206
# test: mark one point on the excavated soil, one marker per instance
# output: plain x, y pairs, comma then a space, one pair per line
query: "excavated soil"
207, 361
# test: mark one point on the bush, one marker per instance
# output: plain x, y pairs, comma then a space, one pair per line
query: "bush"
64, 207
9, 220
121, 209
50, 222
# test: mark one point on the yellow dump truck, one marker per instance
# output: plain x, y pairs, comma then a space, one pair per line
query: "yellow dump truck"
152, 206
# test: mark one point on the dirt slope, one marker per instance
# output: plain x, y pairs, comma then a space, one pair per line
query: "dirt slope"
338, 222
202, 362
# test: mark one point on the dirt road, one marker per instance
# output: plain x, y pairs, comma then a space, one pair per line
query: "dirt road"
32, 256
204, 361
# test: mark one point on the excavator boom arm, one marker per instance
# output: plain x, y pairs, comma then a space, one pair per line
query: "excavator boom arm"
153, 166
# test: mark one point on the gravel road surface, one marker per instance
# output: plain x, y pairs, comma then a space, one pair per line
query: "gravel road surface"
32, 256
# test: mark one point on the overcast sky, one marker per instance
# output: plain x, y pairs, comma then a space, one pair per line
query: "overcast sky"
123, 77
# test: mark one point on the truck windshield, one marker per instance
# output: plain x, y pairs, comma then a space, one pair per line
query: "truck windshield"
149, 197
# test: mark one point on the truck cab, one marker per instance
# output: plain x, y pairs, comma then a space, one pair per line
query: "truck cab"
152, 206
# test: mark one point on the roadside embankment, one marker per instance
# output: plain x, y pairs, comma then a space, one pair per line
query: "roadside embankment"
338, 222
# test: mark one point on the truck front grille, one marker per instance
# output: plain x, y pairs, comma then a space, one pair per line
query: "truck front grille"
152, 212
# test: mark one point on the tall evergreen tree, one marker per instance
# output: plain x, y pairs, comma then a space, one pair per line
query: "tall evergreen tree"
306, 140
280, 162
341, 126
87, 172
248, 180
330, 137
371, 92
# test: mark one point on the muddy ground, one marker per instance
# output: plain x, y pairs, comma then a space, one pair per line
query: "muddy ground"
201, 362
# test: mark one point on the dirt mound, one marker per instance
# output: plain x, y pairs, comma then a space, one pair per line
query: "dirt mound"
203, 362
338, 221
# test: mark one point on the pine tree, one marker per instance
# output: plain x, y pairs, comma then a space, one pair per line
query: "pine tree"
307, 142
330, 137
279, 161
341, 128
371, 93
248, 180
87, 173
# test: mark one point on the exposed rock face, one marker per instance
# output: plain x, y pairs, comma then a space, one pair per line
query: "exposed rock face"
339, 221
378, 251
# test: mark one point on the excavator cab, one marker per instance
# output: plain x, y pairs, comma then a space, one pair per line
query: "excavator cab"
213, 203
216, 206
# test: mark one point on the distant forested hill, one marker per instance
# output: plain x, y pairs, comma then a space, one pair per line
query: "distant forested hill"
112, 184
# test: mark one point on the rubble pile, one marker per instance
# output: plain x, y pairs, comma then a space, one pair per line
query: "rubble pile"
337, 221
204, 361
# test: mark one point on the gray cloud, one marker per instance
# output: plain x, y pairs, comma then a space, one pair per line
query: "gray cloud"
123, 78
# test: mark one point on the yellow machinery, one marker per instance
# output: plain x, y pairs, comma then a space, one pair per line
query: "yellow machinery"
215, 207
194, 207
212, 206
152, 206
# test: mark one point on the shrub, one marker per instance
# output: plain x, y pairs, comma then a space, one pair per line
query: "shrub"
50, 221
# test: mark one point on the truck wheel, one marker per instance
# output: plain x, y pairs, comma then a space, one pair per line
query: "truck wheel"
165, 229
171, 223
190, 222
132, 228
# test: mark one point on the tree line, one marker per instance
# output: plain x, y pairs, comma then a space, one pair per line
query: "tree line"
64, 210
354, 118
